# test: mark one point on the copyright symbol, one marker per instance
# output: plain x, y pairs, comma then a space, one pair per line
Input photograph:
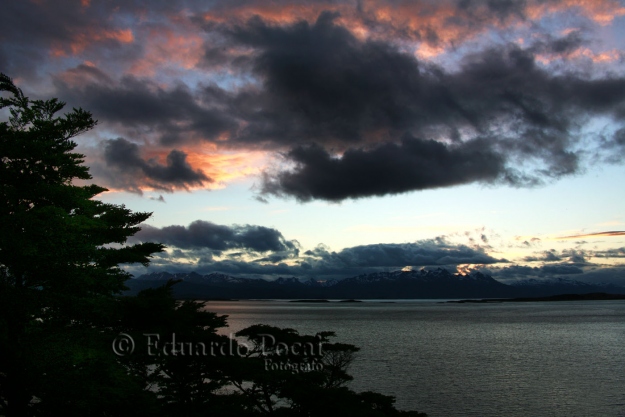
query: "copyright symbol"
123, 345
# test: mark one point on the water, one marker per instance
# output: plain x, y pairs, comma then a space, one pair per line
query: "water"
507, 359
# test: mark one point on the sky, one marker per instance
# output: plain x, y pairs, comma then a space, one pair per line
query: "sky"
326, 139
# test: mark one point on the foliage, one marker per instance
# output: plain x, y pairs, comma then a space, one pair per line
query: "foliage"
266, 371
59, 252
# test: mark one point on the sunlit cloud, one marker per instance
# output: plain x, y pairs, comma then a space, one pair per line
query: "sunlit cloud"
166, 48
226, 167
82, 41
602, 12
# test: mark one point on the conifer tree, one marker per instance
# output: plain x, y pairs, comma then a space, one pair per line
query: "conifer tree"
59, 247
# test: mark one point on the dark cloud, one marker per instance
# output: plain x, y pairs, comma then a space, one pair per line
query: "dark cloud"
476, 11
605, 275
252, 250
422, 253
160, 199
312, 89
562, 46
559, 274
567, 264
503, 112
545, 256
611, 253
320, 83
29, 30
619, 137
390, 168
115, 32
206, 235
577, 257
126, 168
257, 251
614, 148
342, 87
560, 269
531, 243
174, 115
207, 265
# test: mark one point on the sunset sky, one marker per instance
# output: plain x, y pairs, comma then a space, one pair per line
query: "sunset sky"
332, 138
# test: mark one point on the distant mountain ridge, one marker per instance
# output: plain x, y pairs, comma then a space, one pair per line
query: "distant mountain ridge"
439, 283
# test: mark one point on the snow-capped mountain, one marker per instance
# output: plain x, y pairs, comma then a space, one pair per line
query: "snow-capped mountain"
438, 283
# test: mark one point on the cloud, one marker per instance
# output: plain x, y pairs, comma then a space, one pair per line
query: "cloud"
572, 264
390, 168
441, 23
499, 110
606, 275
598, 234
564, 45
545, 256
126, 169
337, 84
252, 250
160, 199
206, 235
387, 255
575, 257
32, 32
175, 114
258, 251
610, 253
611, 274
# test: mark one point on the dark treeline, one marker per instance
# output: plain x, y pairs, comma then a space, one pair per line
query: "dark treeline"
70, 345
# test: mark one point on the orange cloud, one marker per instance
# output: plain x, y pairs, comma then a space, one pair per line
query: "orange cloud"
82, 41
282, 14
221, 167
599, 234
433, 25
425, 51
226, 167
602, 12
82, 75
607, 56
164, 47
409, 18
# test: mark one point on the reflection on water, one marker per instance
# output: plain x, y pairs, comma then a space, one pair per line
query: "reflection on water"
508, 359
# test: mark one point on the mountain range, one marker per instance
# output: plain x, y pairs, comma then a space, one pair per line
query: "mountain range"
439, 283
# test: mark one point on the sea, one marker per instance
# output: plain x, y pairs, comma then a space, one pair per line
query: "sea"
446, 359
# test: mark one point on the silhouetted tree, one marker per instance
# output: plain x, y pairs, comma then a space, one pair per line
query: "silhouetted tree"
59, 254
266, 371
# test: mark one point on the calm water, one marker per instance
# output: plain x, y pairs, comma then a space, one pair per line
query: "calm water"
508, 359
